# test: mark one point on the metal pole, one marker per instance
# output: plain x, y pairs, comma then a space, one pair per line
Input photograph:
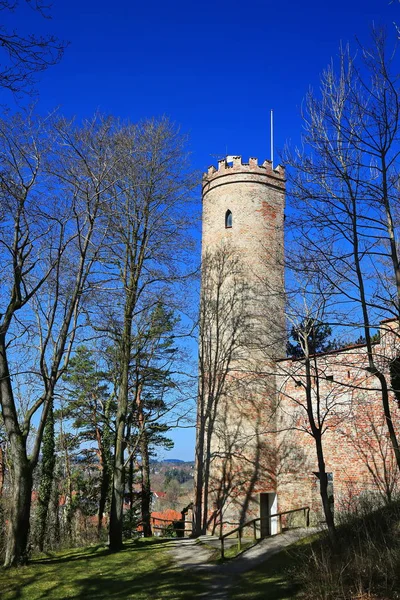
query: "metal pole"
272, 138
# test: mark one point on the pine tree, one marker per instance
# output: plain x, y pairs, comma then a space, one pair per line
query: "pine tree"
154, 354
318, 339
90, 406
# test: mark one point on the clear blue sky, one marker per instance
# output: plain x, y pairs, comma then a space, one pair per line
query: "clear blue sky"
216, 68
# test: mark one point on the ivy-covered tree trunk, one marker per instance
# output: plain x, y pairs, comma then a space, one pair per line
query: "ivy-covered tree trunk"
46, 478
69, 507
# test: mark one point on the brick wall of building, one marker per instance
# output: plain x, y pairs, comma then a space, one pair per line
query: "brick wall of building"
356, 445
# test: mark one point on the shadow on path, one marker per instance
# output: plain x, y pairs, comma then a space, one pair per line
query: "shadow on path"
190, 554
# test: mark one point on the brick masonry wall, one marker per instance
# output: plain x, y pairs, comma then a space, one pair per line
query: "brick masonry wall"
356, 446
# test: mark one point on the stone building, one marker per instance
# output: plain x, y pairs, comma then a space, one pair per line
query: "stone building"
255, 455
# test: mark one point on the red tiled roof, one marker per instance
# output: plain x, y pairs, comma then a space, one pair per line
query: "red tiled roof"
168, 515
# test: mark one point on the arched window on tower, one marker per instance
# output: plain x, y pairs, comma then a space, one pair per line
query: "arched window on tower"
228, 219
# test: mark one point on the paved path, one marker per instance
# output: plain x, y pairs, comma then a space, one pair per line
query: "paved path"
190, 554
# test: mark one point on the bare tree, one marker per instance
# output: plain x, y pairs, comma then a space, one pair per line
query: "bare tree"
145, 257
345, 189
26, 55
50, 208
317, 400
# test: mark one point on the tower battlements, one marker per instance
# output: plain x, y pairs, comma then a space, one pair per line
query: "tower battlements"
237, 166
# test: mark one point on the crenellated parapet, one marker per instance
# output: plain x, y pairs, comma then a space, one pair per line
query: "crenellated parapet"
236, 165
232, 170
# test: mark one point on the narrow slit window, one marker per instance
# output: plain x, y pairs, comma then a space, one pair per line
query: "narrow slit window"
228, 219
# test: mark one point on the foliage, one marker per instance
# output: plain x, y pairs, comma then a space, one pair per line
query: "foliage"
318, 338
87, 394
46, 477
154, 355
173, 491
395, 377
91, 407
169, 531
181, 475
131, 522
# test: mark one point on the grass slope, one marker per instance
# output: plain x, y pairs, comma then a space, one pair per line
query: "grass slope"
142, 570
363, 563
272, 580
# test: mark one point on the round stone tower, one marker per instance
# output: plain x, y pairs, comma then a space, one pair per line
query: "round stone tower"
242, 331
243, 205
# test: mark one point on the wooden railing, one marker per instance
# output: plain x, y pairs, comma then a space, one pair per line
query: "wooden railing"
170, 522
253, 523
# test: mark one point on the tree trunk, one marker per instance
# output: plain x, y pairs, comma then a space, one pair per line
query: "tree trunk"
104, 488
323, 487
117, 502
199, 476
2, 470
105, 448
206, 477
55, 537
118, 489
146, 486
18, 528
315, 424
388, 417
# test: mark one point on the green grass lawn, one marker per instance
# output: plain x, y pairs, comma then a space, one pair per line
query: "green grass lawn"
142, 570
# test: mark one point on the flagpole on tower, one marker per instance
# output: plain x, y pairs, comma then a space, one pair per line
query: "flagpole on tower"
272, 138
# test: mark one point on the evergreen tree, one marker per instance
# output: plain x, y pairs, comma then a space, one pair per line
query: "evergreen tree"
90, 406
154, 354
318, 339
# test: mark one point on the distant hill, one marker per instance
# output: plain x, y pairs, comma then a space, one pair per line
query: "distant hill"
172, 461
177, 461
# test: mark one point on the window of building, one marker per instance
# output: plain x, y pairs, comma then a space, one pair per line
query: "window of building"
228, 219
